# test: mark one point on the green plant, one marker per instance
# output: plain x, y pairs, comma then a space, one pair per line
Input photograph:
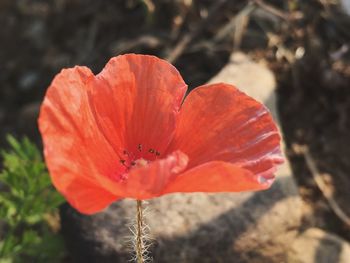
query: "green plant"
28, 207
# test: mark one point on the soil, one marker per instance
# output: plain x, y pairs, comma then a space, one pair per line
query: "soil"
306, 43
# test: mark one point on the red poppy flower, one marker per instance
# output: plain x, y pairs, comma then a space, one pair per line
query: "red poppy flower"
125, 133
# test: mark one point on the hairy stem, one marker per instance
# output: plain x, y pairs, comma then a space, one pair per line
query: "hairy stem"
139, 235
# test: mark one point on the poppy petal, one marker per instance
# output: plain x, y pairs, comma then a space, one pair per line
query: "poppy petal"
86, 197
218, 176
74, 148
136, 99
229, 126
149, 181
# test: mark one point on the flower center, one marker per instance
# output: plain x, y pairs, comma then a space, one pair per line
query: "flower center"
135, 159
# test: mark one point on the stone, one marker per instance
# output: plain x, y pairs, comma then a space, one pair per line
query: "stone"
229, 227
346, 6
317, 246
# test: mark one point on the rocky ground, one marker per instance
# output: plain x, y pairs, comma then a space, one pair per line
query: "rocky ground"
298, 53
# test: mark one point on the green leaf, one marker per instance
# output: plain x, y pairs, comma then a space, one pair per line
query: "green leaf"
26, 197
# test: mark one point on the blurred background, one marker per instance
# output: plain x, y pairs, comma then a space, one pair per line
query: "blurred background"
305, 43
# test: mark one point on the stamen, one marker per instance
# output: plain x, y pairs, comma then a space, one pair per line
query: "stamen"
132, 161
122, 161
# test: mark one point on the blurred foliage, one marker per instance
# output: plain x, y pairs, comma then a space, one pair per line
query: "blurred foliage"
28, 207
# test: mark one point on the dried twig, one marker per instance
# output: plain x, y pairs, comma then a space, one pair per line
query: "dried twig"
321, 183
125, 46
181, 45
237, 24
180, 20
150, 5
271, 9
